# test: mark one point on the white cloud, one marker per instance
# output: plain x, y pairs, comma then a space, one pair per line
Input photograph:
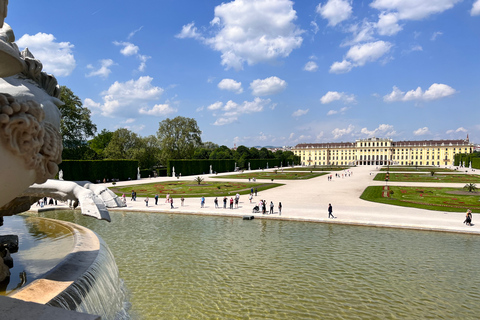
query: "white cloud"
363, 32
421, 131
103, 71
189, 31
335, 11
435, 92
331, 96
475, 8
359, 55
337, 132
341, 67
320, 135
143, 62
341, 111
300, 113
57, 57
232, 110
129, 120
387, 24
215, 106
127, 98
435, 35
230, 85
332, 112
384, 130
251, 31
413, 9
131, 34
368, 52
461, 129
413, 49
268, 86
310, 66
315, 27
129, 49
158, 110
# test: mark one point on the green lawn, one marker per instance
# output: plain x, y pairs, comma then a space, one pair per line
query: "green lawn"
426, 177
286, 175
189, 189
439, 199
317, 168
418, 169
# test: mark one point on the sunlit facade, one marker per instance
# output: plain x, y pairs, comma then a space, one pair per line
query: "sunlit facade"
381, 151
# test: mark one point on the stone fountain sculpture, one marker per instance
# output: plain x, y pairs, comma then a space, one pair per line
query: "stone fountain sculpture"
30, 141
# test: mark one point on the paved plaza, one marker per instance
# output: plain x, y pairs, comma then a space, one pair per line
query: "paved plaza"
307, 200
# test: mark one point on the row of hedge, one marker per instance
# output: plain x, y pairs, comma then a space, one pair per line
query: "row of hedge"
97, 170
466, 159
191, 167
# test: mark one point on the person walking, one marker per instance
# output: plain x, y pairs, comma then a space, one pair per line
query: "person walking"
133, 195
156, 199
171, 202
202, 203
250, 197
255, 192
167, 198
146, 201
330, 211
468, 218
279, 208
231, 203
271, 207
216, 203
182, 200
224, 202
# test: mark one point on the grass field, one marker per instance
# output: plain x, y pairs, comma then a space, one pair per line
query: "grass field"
279, 175
426, 177
189, 189
439, 199
418, 169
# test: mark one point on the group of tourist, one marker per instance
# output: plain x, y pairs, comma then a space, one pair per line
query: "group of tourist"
263, 205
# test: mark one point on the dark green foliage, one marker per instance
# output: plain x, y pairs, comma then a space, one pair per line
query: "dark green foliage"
75, 125
191, 167
97, 170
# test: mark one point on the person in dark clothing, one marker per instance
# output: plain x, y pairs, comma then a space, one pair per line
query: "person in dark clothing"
330, 210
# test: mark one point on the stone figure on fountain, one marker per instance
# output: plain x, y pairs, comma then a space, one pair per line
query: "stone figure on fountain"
30, 141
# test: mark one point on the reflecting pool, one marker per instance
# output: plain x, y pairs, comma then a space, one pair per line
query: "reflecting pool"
203, 267
42, 245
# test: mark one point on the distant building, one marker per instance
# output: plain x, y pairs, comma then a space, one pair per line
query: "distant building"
380, 151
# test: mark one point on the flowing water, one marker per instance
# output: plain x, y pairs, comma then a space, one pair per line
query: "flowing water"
197, 267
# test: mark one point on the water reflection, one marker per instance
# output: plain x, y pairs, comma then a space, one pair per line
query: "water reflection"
181, 266
42, 245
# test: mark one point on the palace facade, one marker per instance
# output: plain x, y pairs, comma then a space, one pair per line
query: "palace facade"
381, 151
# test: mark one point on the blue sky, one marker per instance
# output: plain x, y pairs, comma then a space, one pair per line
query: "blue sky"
266, 72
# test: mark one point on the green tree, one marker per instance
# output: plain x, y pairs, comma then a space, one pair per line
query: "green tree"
147, 152
123, 145
254, 153
100, 142
222, 152
178, 138
75, 124
202, 153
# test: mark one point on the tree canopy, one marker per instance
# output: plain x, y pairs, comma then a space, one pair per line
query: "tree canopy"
75, 124
178, 138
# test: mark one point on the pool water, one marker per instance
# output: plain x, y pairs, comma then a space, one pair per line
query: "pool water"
204, 267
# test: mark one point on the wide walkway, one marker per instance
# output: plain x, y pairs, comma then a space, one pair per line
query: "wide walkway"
308, 200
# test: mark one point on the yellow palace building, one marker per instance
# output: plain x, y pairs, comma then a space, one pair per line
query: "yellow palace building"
381, 151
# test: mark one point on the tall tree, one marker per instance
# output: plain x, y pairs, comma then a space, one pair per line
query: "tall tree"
101, 141
178, 138
123, 145
75, 124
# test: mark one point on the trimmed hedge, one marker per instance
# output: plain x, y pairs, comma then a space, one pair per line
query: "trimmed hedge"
476, 163
97, 170
262, 163
199, 166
